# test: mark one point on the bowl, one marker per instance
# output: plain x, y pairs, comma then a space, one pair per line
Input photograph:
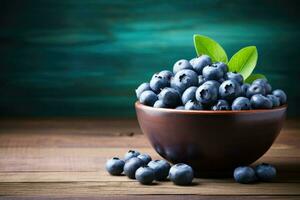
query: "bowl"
212, 142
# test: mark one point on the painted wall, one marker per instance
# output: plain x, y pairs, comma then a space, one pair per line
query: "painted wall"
86, 57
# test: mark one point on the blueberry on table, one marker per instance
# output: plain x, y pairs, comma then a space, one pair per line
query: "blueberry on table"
181, 174
180, 108
212, 72
180, 65
166, 74
131, 154
143, 87
264, 83
241, 103
159, 104
161, 169
145, 158
170, 97
184, 79
193, 105
221, 105
229, 90
115, 166
131, 166
244, 89
259, 101
145, 175
207, 93
188, 94
200, 62
275, 100
234, 76
222, 66
265, 172
244, 175
148, 98
157, 83
281, 95
255, 89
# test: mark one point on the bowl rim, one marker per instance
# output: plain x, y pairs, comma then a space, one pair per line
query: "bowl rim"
171, 110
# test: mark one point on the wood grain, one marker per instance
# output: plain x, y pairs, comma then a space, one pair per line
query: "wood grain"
62, 163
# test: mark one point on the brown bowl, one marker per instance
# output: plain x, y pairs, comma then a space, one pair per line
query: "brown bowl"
212, 142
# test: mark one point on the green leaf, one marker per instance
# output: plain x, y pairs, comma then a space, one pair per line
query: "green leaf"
207, 46
253, 77
244, 61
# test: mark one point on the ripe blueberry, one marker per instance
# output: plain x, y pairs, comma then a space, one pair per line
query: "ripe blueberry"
244, 175
221, 105
131, 166
229, 90
161, 169
145, 158
157, 83
234, 76
274, 99
181, 174
259, 101
241, 103
145, 175
166, 74
255, 89
188, 94
148, 98
159, 104
244, 88
115, 166
181, 64
222, 66
193, 105
201, 80
200, 62
265, 172
131, 154
212, 72
169, 97
281, 95
264, 83
207, 93
143, 87
184, 79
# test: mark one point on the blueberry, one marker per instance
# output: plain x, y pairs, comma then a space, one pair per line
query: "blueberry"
201, 80
207, 93
265, 172
145, 158
214, 83
159, 104
193, 105
274, 99
115, 166
148, 98
264, 83
255, 89
244, 88
221, 80
181, 64
145, 175
259, 101
221, 105
170, 97
241, 103
222, 66
234, 76
131, 166
184, 79
212, 72
244, 175
157, 83
229, 90
188, 94
181, 174
281, 95
180, 108
200, 62
131, 154
166, 74
143, 87
161, 169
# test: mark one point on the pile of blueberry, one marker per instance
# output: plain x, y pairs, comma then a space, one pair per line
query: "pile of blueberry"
145, 170
199, 84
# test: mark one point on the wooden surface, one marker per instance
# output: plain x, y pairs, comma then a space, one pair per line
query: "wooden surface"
62, 159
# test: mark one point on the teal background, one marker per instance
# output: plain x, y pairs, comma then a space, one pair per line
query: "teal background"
86, 57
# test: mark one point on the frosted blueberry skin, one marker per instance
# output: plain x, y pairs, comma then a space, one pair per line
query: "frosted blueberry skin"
145, 175
214, 83
222, 66
189, 94
166, 74
148, 98
181, 174
229, 90
157, 83
193, 105
265, 172
170, 97
281, 95
131, 154
259, 101
255, 89
181, 65
221, 105
115, 166
212, 72
201, 80
244, 89
161, 169
159, 104
244, 175
234, 76
143, 87
131, 166
241, 103
184, 79
145, 158
264, 83
199, 63
275, 100
207, 93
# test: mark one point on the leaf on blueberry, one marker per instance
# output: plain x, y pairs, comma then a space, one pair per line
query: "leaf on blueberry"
244, 61
253, 77
207, 46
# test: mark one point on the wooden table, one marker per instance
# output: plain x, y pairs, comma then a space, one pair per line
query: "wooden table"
49, 159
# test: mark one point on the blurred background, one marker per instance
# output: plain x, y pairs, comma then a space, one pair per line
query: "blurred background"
85, 57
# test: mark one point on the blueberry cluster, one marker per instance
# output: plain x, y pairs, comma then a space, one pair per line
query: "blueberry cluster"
145, 170
199, 84
263, 172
